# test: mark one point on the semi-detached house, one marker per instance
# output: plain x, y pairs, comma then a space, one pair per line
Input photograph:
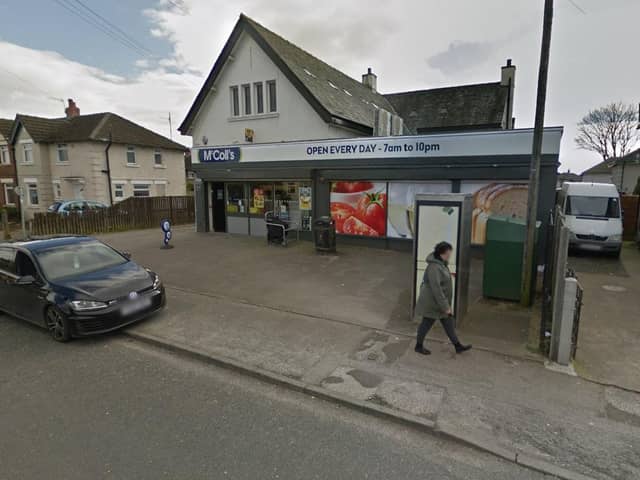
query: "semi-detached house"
8, 178
99, 157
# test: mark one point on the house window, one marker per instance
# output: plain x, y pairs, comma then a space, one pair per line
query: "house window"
118, 191
141, 190
57, 190
63, 154
32, 194
246, 98
271, 93
4, 155
27, 150
259, 97
235, 102
9, 192
157, 158
131, 155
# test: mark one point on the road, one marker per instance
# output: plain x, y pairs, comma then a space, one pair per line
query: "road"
113, 408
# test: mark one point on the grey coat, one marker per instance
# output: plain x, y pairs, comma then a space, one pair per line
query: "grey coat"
436, 291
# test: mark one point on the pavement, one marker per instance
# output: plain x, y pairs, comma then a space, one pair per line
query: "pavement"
113, 408
336, 327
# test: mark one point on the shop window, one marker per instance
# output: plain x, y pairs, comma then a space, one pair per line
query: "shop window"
261, 200
259, 93
272, 96
141, 190
235, 101
236, 199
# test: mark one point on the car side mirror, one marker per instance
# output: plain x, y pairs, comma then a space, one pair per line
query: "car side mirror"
126, 255
26, 280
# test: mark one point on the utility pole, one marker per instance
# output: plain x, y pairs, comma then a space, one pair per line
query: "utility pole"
536, 156
170, 127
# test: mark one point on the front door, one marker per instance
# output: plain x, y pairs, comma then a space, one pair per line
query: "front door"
78, 190
218, 220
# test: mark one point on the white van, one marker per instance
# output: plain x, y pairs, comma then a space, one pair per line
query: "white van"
593, 215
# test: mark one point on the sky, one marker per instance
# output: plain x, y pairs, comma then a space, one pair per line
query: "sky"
170, 46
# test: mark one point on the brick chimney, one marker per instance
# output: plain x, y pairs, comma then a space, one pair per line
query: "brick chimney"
370, 79
508, 79
72, 110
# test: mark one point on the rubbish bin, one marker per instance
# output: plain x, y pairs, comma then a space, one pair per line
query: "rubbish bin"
503, 252
324, 234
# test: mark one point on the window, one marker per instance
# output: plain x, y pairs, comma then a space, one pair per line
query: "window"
9, 193
7, 260
235, 102
141, 190
236, 199
261, 200
63, 154
271, 91
4, 155
246, 98
157, 158
131, 155
118, 191
259, 97
57, 190
32, 194
27, 151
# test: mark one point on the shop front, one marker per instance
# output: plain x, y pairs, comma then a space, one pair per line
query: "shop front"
368, 185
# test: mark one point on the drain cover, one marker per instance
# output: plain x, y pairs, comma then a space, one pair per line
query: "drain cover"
614, 288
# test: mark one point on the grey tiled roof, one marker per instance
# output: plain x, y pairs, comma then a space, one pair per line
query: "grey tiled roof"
467, 106
5, 127
93, 127
602, 167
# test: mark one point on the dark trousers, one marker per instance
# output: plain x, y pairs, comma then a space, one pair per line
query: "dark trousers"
427, 323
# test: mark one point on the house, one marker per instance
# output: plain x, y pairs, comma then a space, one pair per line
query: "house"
567, 176
263, 89
8, 178
623, 172
102, 157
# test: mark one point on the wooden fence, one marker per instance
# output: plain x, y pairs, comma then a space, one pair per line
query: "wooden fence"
131, 213
631, 209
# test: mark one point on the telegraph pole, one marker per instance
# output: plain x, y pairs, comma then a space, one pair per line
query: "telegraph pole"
536, 155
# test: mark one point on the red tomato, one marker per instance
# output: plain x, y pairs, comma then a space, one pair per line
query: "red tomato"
340, 212
372, 210
353, 226
351, 187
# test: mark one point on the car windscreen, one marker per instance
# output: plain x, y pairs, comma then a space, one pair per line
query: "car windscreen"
77, 259
598, 207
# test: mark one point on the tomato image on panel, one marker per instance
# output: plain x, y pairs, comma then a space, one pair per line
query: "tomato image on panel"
359, 208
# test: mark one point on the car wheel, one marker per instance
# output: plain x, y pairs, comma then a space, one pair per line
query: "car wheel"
58, 325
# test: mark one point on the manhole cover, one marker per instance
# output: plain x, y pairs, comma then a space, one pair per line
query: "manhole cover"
614, 288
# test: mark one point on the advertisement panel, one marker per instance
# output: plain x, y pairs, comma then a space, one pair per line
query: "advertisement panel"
503, 199
359, 208
400, 222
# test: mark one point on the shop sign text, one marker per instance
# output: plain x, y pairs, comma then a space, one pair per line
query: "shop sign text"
224, 154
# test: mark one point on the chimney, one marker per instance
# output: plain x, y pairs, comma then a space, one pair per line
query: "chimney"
72, 110
370, 79
508, 79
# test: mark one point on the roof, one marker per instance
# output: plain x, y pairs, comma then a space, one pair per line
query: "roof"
591, 189
5, 127
94, 127
479, 106
599, 168
321, 84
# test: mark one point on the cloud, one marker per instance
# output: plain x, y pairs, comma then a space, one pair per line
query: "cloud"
461, 56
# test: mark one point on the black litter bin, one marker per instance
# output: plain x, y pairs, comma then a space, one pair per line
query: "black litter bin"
276, 229
324, 234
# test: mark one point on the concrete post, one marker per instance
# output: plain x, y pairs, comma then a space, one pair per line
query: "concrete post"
562, 330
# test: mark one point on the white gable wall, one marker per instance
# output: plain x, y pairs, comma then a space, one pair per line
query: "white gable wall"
295, 119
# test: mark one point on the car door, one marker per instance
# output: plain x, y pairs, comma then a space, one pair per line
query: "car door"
30, 299
7, 278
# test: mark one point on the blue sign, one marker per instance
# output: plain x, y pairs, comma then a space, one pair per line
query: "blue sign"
224, 154
165, 225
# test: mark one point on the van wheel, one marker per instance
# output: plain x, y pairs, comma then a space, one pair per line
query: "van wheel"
57, 324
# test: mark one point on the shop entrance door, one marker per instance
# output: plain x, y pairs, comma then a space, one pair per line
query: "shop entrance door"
218, 222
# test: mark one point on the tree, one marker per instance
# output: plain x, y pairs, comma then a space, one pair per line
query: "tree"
610, 131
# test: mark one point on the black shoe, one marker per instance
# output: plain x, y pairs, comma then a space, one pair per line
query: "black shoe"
422, 350
462, 348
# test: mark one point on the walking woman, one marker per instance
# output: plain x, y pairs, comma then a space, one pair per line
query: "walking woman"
436, 293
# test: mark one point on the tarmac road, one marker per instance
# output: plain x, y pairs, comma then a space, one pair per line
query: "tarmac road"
112, 408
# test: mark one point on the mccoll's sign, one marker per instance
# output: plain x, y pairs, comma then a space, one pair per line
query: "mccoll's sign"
224, 154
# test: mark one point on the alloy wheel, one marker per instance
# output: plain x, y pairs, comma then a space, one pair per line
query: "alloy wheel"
56, 324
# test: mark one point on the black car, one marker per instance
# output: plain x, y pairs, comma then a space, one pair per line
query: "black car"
75, 286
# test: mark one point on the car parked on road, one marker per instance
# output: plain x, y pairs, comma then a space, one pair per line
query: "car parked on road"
75, 286
66, 207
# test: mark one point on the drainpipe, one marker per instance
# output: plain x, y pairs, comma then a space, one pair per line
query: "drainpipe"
108, 170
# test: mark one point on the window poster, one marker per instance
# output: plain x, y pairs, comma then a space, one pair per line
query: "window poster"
359, 208
400, 222
305, 198
501, 199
